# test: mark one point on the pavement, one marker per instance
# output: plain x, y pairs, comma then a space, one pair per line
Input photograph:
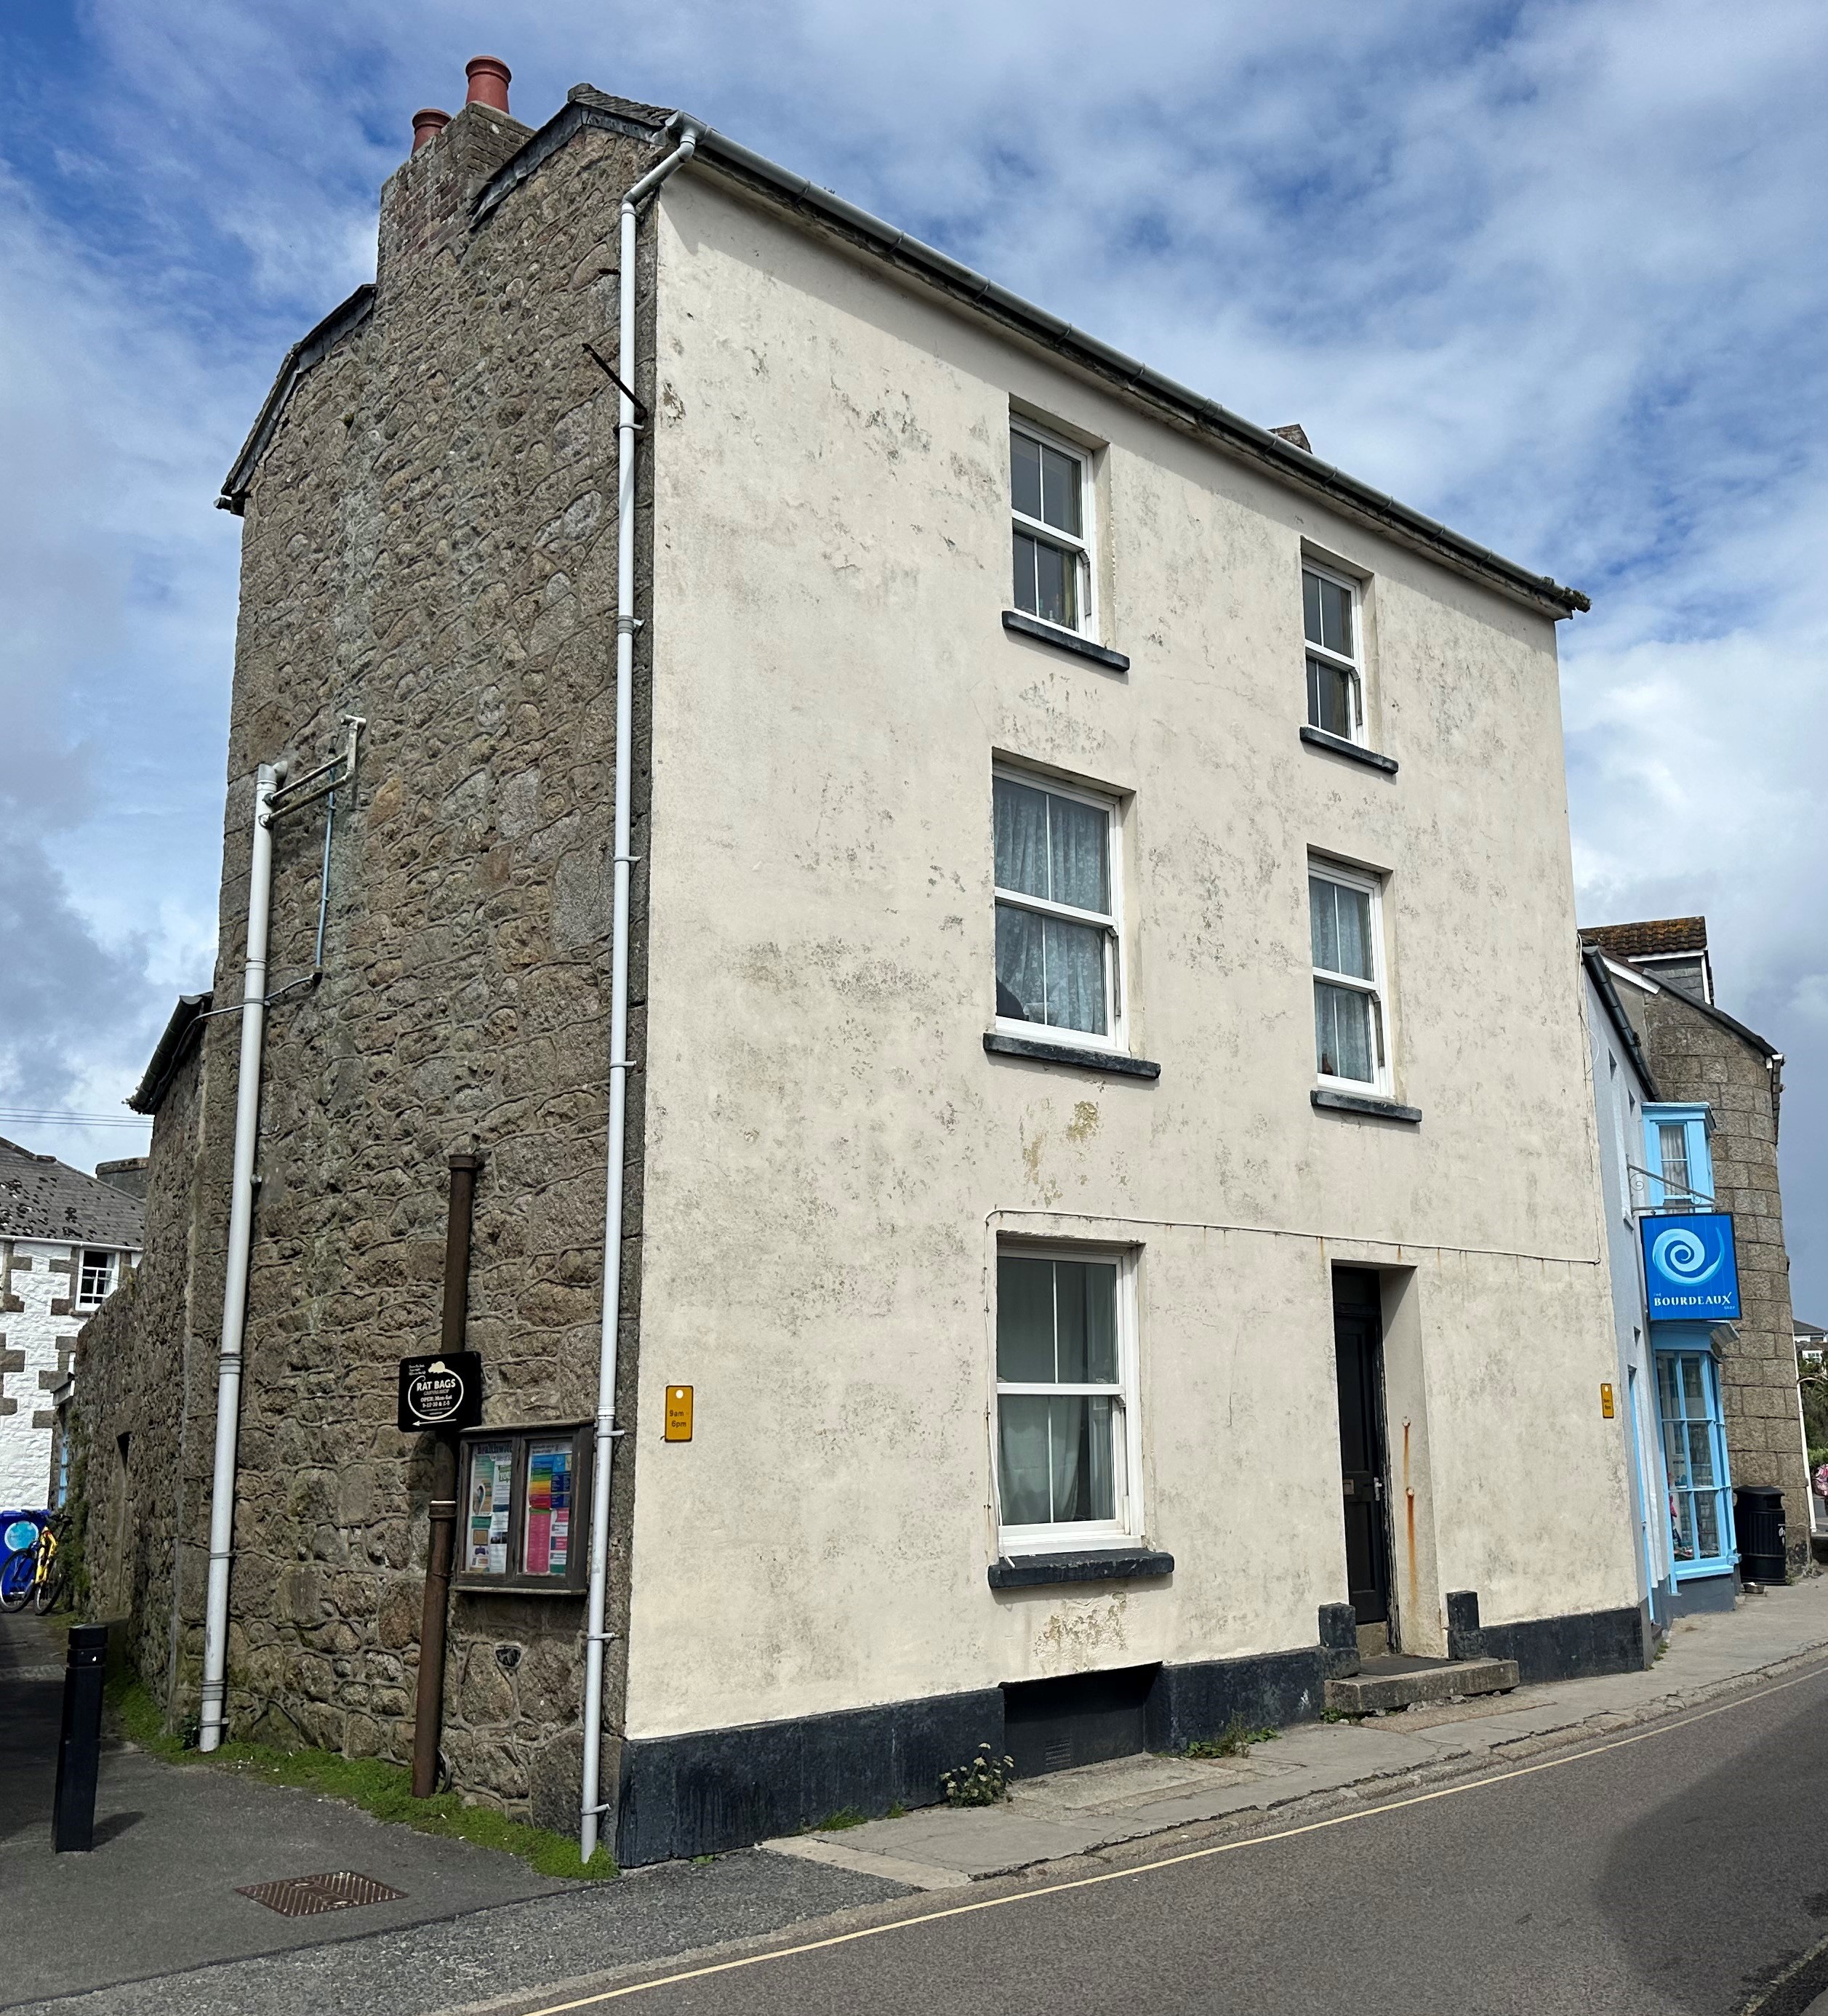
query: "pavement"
1074, 1812
150, 1922
1675, 1869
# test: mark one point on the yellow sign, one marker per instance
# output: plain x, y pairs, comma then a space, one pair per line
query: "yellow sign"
678, 1413
1606, 1405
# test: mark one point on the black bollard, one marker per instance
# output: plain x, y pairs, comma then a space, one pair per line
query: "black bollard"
79, 1747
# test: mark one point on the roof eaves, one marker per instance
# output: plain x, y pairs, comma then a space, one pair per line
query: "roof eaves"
310, 348
1726, 1020
168, 1053
584, 107
718, 151
1601, 976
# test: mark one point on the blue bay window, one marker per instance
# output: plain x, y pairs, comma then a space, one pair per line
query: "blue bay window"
1694, 1452
1678, 1164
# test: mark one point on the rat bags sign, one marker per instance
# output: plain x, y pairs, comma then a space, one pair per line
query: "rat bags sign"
441, 1392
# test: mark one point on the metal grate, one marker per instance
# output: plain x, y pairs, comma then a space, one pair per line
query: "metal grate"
303, 1896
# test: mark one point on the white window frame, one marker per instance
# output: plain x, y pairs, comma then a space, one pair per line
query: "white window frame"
112, 1278
1322, 867
1085, 545
1125, 1530
1352, 666
1116, 1022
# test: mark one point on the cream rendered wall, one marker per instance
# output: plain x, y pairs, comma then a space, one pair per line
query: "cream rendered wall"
831, 1155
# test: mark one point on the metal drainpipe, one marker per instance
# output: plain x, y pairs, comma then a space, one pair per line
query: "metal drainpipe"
254, 989
591, 1801
428, 1715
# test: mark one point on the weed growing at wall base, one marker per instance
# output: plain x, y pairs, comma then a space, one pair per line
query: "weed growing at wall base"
1234, 1742
983, 1782
382, 1789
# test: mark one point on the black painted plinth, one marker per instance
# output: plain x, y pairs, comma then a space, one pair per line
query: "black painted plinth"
712, 1790
1573, 1647
1339, 1640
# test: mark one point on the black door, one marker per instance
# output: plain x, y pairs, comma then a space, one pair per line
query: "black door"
1358, 1346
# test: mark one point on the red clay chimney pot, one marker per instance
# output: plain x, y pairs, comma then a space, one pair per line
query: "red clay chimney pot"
427, 126
489, 77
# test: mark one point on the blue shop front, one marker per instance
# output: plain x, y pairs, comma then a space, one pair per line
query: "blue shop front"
1691, 1285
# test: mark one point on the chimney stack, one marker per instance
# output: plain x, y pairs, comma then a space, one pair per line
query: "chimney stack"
489, 77
425, 206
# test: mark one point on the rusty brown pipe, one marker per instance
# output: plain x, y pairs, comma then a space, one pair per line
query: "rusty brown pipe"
428, 1715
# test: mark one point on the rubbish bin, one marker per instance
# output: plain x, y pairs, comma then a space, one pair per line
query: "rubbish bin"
1758, 1512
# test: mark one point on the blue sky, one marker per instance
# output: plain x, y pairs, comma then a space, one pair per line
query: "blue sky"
1554, 273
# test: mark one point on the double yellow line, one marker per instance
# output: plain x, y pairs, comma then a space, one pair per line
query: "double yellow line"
1169, 1861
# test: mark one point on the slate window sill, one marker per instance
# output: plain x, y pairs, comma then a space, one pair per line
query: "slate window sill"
1110, 1064
1353, 1102
1337, 745
1064, 640
1040, 1570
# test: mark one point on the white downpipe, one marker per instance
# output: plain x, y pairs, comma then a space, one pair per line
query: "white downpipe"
626, 429
253, 994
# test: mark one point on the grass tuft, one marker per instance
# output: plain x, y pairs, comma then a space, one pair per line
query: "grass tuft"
382, 1789
1234, 1742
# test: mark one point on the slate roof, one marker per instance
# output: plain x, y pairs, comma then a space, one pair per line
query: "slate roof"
43, 1198
1660, 937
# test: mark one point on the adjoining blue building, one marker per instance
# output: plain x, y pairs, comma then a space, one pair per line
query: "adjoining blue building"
1688, 1101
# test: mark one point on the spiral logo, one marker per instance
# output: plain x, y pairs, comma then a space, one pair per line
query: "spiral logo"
1682, 1254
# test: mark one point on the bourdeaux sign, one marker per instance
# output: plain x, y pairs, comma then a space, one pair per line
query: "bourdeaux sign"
442, 1392
1691, 1270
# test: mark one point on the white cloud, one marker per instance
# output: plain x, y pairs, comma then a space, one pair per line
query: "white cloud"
1553, 272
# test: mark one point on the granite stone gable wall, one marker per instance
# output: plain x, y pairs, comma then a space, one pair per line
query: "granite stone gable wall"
1696, 1058
139, 1450
429, 544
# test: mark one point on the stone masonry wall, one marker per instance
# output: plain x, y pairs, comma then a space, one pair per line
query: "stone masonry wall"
429, 544
144, 1363
1695, 1058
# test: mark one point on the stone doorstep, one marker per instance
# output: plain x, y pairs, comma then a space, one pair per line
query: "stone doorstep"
1366, 1693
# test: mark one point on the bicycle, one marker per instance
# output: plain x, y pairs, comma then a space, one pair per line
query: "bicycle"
33, 1573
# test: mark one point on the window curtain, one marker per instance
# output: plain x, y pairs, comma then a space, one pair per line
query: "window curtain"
1342, 1033
1341, 921
1059, 850
1057, 1458
1057, 1323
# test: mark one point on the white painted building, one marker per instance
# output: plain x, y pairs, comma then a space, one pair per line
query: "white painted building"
66, 1240
1624, 1097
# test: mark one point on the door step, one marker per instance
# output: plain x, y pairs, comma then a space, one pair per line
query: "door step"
1383, 1684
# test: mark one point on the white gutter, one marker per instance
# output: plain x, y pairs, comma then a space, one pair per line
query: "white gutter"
254, 992
626, 429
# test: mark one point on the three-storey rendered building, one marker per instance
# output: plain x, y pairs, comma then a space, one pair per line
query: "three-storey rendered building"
1108, 1222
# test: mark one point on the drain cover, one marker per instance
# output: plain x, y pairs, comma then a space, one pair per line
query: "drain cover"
303, 1896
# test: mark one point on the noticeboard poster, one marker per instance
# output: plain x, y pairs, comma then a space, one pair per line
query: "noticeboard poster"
547, 1541
524, 1516
492, 1477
